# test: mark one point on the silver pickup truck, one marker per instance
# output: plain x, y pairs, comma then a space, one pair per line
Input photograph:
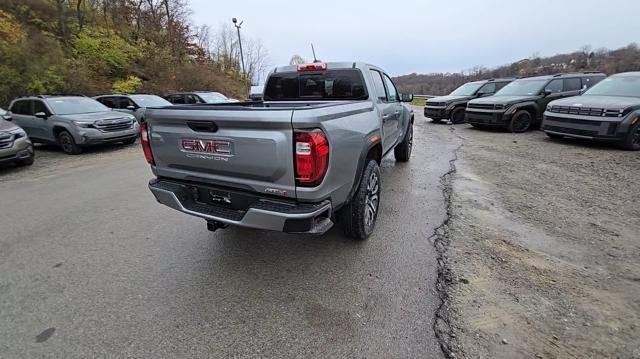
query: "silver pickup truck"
305, 156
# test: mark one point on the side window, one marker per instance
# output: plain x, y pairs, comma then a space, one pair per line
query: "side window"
554, 86
109, 102
500, 85
125, 103
572, 84
191, 99
20, 107
177, 99
488, 88
378, 85
38, 106
590, 81
392, 93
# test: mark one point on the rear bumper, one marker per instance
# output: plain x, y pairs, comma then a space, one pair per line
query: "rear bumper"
242, 208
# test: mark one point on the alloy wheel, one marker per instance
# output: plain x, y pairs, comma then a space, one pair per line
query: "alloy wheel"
372, 200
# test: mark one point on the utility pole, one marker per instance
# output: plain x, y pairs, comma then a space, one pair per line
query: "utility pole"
238, 26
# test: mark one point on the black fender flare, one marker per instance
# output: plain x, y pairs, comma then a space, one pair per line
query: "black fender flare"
519, 106
371, 140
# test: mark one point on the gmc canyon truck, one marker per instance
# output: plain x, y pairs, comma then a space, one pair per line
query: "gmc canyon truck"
308, 154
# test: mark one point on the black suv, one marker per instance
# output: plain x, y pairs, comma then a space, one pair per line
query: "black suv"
609, 111
521, 104
452, 106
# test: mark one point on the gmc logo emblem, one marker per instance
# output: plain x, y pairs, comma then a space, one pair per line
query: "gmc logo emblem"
215, 147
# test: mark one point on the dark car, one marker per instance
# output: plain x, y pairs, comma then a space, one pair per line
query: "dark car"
188, 98
520, 105
452, 107
609, 111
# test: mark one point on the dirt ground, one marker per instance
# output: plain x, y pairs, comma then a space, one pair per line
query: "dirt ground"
544, 248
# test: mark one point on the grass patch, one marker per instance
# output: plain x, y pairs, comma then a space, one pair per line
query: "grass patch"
418, 101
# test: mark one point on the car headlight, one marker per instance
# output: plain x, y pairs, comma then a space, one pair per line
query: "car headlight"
549, 107
18, 133
83, 124
501, 106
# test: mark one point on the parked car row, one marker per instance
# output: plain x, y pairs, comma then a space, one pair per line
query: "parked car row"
583, 105
74, 122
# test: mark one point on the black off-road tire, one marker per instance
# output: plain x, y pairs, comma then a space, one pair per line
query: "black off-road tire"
68, 144
436, 120
457, 115
520, 122
554, 136
354, 216
632, 141
402, 152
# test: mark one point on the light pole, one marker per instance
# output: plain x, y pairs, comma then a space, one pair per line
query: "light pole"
238, 26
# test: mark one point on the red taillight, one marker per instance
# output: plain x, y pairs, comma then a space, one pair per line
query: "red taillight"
146, 146
312, 157
312, 67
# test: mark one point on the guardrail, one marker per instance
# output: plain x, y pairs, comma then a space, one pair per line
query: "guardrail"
423, 97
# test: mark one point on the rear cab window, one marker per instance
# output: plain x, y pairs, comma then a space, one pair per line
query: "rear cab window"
338, 84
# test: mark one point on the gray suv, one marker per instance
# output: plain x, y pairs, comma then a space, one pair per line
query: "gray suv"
135, 104
72, 122
609, 111
15, 146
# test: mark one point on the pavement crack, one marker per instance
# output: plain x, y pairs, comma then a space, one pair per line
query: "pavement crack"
441, 239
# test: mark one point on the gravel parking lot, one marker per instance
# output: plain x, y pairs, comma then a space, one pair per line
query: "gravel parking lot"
544, 248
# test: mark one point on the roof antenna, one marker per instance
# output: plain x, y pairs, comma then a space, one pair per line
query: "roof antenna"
315, 61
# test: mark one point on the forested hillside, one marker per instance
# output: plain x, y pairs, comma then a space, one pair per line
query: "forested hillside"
99, 46
608, 61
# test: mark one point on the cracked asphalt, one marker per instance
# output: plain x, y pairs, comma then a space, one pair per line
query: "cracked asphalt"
92, 266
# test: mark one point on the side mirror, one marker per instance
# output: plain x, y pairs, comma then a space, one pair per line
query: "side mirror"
131, 108
41, 115
546, 92
583, 90
484, 94
6, 118
406, 97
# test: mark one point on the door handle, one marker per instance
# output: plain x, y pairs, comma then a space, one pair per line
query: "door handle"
385, 117
397, 112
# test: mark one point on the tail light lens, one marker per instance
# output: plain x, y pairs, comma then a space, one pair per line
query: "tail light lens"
312, 157
146, 145
312, 67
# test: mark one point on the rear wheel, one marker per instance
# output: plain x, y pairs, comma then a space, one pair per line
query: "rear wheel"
402, 152
457, 116
632, 141
520, 122
359, 216
68, 144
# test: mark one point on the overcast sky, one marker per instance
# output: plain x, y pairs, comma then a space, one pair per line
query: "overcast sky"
426, 36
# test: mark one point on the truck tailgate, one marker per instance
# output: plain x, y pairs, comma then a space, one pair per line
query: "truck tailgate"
250, 149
